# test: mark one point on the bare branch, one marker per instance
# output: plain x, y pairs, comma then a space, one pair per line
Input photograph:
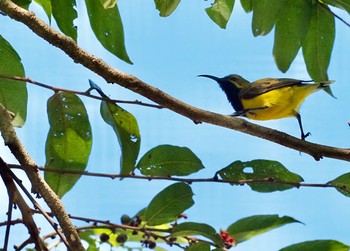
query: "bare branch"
111, 75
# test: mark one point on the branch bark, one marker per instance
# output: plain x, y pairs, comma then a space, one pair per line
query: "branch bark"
134, 84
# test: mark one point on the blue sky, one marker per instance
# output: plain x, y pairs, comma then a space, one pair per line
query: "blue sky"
169, 53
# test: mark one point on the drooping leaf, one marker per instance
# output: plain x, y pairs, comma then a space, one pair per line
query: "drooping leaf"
127, 130
291, 29
108, 28
69, 141
23, 3
342, 184
65, 13
167, 160
342, 4
319, 245
13, 94
265, 13
198, 246
247, 5
107, 4
166, 7
247, 228
194, 229
258, 170
168, 204
318, 44
220, 12
46, 5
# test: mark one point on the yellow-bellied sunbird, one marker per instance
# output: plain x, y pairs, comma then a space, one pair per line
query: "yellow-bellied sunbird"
268, 98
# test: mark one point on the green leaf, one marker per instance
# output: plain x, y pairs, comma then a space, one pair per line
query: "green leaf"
198, 246
291, 28
65, 13
107, 4
69, 141
247, 228
342, 4
318, 43
261, 169
220, 12
247, 5
23, 3
265, 13
46, 5
319, 245
193, 229
342, 184
125, 126
108, 28
167, 160
168, 204
166, 7
13, 94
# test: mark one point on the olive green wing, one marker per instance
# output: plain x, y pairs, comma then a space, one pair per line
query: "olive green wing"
264, 85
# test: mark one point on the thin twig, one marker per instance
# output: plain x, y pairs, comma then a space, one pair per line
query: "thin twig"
335, 15
86, 93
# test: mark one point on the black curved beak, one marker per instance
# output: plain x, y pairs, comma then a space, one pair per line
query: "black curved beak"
211, 77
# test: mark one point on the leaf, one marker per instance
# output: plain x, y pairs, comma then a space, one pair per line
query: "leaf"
46, 5
342, 184
247, 228
127, 130
319, 245
247, 5
193, 229
65, 13
69, 141
342, 4
220, 12
265, 13
13, 94
23, 3
291, 28
261, 169
108, 28
166, 7
198, 246
167, 160
318, 43
168, 204
107, 4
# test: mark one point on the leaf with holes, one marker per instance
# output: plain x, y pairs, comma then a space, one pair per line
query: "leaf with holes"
69, 141
65, 13
127, 130
168, 204
270, 171
247, 228
13, 94
167, 160
108, 28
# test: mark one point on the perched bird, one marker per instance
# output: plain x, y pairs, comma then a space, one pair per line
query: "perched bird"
268, 98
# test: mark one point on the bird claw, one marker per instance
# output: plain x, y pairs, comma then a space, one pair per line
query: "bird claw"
304, 136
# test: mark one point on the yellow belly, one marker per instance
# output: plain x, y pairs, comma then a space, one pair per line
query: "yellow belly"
279, 103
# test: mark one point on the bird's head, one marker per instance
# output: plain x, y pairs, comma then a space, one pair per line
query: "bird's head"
233, 80
231, 85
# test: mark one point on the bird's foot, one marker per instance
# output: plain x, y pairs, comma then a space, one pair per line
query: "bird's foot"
304, 136
239, 113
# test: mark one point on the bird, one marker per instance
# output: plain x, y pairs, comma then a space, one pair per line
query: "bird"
268, 98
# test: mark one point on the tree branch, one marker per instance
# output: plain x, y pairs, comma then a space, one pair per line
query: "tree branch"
38, 184
134, 84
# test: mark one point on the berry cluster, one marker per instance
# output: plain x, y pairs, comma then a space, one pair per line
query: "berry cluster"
228, 240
